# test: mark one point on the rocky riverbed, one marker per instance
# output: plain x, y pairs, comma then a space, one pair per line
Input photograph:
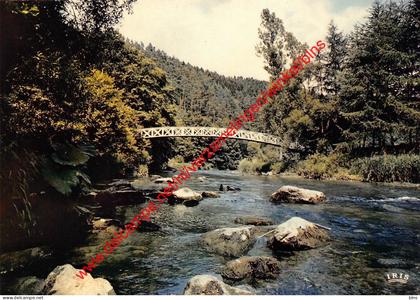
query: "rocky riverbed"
254, 238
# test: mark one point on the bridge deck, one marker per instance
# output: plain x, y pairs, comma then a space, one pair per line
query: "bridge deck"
157, 132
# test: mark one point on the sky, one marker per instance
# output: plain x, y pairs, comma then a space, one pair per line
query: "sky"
220, 35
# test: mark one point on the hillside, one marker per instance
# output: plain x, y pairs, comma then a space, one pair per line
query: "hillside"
205, 98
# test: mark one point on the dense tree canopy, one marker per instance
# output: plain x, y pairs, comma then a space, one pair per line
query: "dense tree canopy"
360, 97
362, 91
65, 92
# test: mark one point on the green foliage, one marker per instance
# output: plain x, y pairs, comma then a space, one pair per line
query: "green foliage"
273, 39
19, 168
96, 16
318, 166
62, 88
62, 179
63, 169
278, 167
25, 8
333, 61
176, 162
109, 123
360, 96
262, 159
69, 155
251, 166
204, 98
379, 93
389, 168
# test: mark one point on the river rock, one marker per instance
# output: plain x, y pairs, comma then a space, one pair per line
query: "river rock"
163, 180
187, 194
267, 173
232, 188
120, 184
251, 267
253, 220
229, 241
63, 281
207, 194
147, 226
210, 285
101, 223
202, 178
263, 231
293, 194
298, 234
393, 208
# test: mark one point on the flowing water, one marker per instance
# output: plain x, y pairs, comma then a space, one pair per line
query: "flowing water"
375, 231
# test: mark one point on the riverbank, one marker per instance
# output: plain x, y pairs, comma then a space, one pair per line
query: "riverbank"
379, 168
294, 175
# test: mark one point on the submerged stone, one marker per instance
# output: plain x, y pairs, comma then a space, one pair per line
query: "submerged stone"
210, 285
229, 241
252, 267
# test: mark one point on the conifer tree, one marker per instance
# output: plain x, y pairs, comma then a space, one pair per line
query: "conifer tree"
334, 59
379, 97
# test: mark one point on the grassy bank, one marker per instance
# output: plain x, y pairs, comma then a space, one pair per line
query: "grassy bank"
380, 168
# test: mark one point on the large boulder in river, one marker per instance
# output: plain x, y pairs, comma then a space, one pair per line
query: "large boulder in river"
251, 267
232, 188
163, 180
293, 194
229, 241
207, 194
298, 234
253, 220
103, 223
210, 285
187, 196
63, 281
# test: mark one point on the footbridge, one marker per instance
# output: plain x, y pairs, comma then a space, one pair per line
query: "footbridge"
162, 132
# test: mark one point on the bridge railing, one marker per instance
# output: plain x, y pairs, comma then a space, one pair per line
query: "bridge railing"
156, 132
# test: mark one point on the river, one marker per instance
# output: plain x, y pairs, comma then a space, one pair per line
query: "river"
375, 230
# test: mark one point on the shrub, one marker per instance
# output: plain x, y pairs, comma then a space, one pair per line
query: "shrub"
318, 166
142, 170
176, 162
389, 168
252, 166
262, 160
278, 167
